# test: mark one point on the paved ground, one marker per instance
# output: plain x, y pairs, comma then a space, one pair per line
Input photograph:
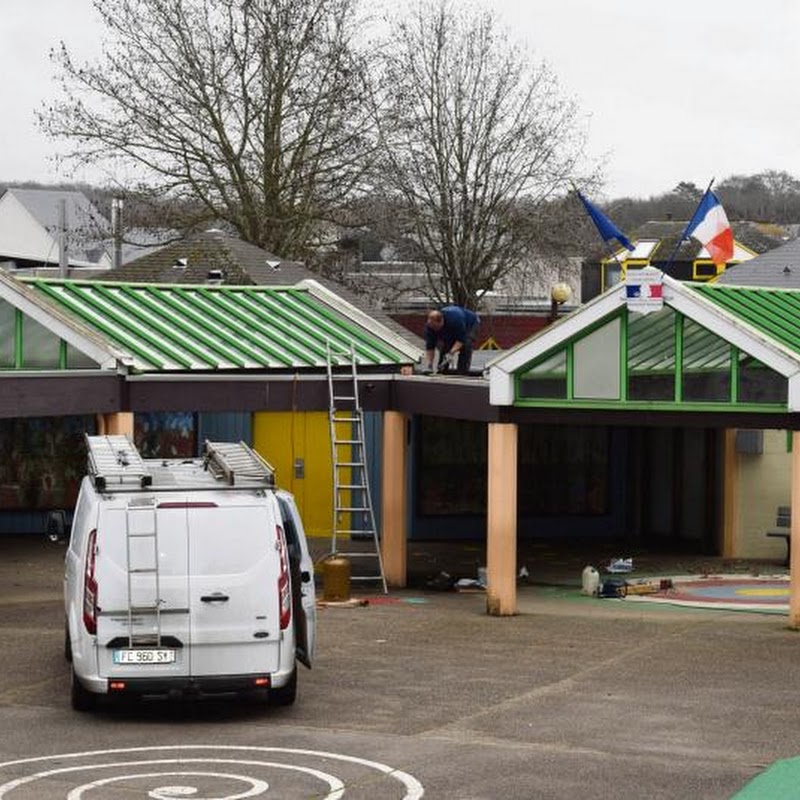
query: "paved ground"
423, 694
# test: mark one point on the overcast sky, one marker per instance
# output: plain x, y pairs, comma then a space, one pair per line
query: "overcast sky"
679, 90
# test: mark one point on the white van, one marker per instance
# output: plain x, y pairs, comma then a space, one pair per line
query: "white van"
185, 577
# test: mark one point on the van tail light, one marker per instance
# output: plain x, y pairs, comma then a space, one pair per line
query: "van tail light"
90, 586
284, 589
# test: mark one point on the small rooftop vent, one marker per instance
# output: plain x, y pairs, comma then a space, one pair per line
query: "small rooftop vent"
180, 263
274, 265
215, 277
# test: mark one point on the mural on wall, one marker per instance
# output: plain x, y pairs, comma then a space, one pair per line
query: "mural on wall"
166, 434
42, 461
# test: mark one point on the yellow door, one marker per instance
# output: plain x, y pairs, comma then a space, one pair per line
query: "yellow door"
298, 445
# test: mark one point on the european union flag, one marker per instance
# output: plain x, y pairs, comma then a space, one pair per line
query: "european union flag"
608, 230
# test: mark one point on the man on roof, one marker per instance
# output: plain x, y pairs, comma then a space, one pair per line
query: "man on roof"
450, 330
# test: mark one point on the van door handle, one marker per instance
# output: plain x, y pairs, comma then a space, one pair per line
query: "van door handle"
217, 597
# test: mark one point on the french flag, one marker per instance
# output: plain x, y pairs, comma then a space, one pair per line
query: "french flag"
711, 228
644, 291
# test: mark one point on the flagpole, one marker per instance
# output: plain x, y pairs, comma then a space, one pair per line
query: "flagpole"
683, 235
605, 242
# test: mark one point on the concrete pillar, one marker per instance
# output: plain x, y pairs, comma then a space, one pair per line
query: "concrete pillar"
394, 500
119, 424
794, 546
730, 494
501, 520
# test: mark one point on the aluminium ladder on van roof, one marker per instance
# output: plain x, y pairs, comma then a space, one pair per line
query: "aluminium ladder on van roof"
236, 462
353, 515
114, 462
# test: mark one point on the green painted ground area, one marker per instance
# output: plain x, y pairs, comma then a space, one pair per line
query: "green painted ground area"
781, 781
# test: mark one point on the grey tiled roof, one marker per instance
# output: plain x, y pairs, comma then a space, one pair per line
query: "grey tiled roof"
241, 264
778, 268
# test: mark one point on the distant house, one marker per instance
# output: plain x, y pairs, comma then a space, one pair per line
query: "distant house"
31, 230
655, 245
31, 235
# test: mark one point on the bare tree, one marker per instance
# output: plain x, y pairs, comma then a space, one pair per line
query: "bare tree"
471, 127
249, 112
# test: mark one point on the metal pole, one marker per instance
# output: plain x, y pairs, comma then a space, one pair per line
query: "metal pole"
63, 256
116, 230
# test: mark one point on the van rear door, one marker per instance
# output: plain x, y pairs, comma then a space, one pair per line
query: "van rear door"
234, 567
115, 523
304, 602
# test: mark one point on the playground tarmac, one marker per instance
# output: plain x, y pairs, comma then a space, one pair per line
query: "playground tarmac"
574, 696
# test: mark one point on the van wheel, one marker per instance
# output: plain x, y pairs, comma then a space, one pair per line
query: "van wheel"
81, 698
284, 695
67, 644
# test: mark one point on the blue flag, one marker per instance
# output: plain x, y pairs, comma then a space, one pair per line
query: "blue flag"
608, 230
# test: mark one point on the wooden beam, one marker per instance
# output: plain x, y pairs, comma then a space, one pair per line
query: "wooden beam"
730, 494
794, 542
394, 500
501, 519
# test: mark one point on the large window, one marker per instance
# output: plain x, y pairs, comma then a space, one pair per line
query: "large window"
40, 347
759, 384
452, 467
596, 363
706, 365
547, 379
651, 355
562, 471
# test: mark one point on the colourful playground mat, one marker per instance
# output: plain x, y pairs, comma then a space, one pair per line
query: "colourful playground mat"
768, 594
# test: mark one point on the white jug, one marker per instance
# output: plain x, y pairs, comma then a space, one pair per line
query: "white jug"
590, 580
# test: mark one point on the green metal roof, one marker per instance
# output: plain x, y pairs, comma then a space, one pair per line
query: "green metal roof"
773, 312
203, 327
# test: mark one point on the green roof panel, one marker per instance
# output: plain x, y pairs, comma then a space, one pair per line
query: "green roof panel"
774, 312
167, 327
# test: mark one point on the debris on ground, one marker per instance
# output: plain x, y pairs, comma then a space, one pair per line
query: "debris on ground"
353, 602
620, 565
443, 582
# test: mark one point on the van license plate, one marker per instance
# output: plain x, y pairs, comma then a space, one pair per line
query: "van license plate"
149, 656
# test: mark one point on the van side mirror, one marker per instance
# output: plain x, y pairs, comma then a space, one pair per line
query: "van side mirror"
56, 526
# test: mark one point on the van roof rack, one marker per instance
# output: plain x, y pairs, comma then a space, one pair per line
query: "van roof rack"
114, 460
236, 462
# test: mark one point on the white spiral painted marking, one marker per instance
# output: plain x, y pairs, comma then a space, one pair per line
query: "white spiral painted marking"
336, 788
257, 787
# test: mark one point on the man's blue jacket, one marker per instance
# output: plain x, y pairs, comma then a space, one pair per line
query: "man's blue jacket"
458, 323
